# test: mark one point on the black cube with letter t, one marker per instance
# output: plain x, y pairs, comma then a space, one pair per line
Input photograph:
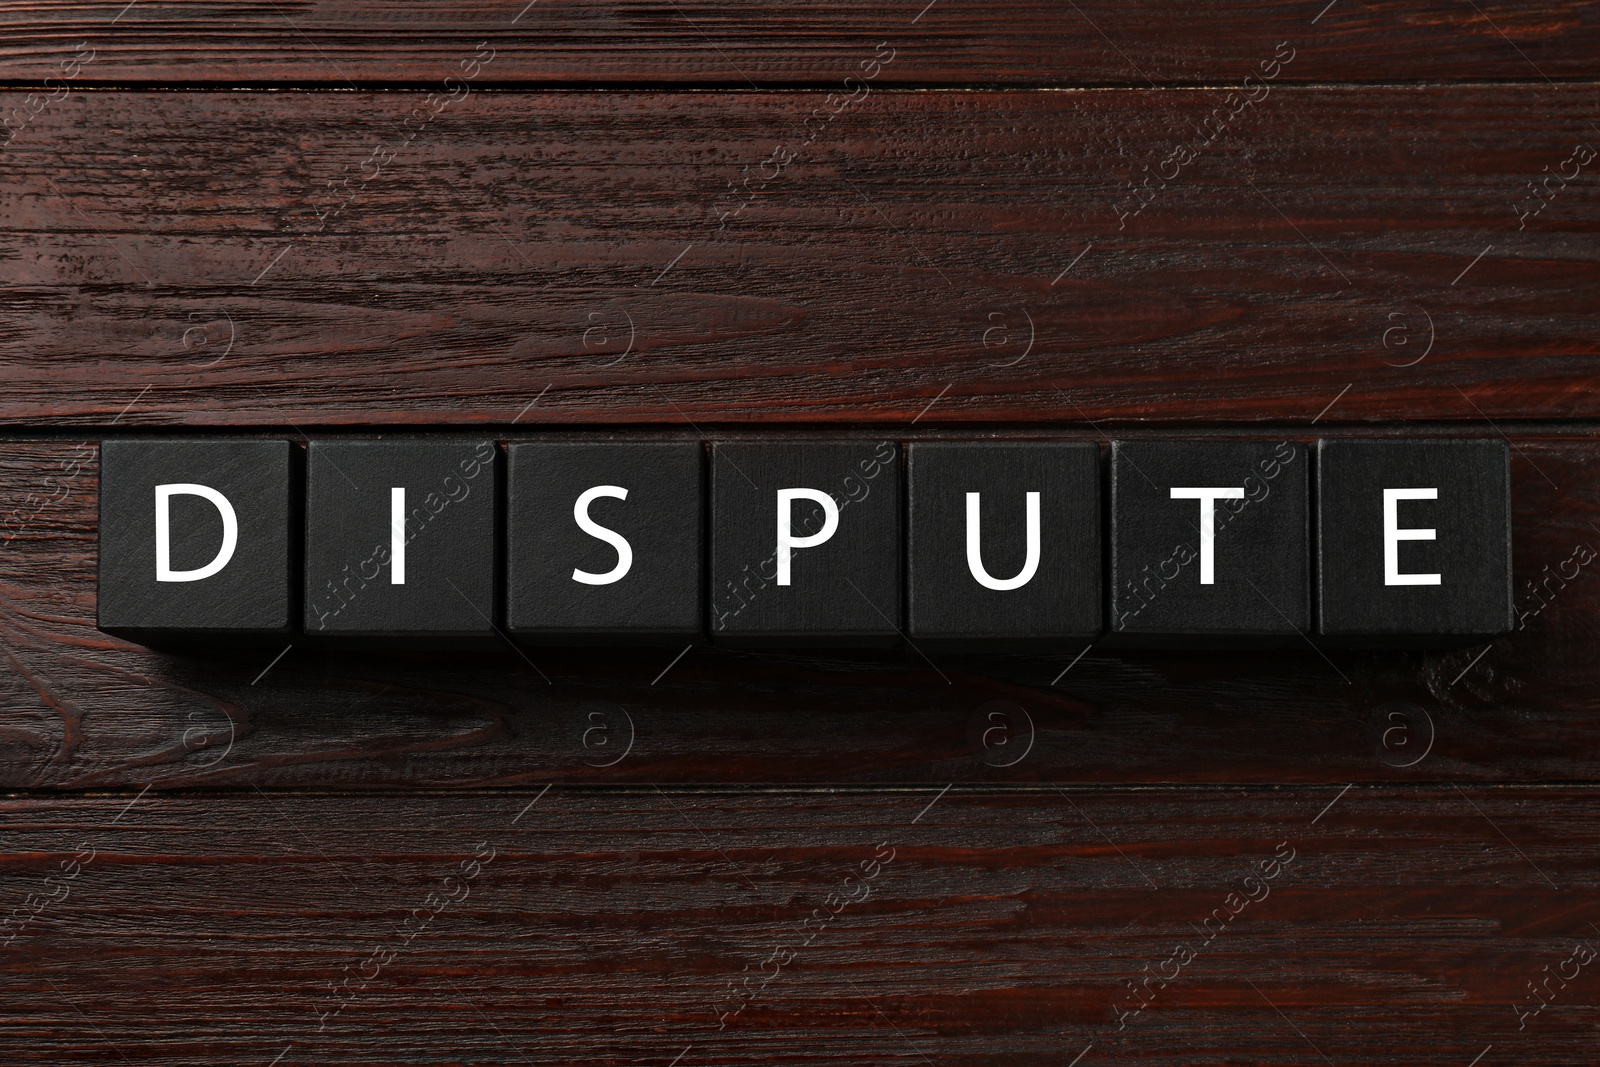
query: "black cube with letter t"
196, 539
1003, 552
805, 542
402, 539
605, 541
1210, 543
1414, 542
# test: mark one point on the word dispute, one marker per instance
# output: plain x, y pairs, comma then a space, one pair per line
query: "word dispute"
979, 544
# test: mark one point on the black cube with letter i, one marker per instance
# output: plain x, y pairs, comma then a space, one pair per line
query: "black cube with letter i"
196, 540
402, 541
1414, 542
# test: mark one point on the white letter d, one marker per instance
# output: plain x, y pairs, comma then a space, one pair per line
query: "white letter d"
230, 532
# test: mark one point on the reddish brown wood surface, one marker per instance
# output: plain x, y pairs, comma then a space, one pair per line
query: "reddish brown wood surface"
1398, 926
82, 710
179, 259
962, 42
229, 859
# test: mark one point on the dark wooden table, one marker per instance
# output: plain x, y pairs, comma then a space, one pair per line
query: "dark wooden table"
1020, 218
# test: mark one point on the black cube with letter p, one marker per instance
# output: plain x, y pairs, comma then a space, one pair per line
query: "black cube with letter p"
805, 542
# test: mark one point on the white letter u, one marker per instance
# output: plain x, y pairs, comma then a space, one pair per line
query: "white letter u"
975, 549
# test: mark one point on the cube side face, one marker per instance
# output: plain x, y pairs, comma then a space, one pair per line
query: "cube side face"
147, 597
1259, 587
845, 590
1060, 598
659, 594
1460, 535
445, 524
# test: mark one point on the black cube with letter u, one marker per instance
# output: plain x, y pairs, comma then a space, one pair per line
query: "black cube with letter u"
1003, 545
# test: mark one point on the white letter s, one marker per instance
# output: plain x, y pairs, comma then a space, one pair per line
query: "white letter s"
580, 514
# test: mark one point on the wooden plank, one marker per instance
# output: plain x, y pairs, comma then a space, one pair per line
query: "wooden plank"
1353, 254
81, 710
963, 42
1398, 926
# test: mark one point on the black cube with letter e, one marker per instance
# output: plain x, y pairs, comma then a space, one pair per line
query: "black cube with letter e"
1003, 547
1210, 544
805, 542
1414, 542
605, 541
196, 539
402, 539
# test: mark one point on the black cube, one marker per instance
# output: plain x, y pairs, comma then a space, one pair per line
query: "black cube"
805, 543
1004, 545
1414, 542
1210, 543
605, 542
196, 539
401, 539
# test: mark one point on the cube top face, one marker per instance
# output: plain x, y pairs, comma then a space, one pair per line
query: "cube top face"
195, 537
833, 576
1210, 539
1414, 539
1020, 562
401, 538
566, 582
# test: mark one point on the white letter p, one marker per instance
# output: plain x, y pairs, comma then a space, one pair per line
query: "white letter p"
786, 540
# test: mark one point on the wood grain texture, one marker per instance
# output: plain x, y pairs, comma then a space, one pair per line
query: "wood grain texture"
960, 42
82, 710
703, 262
619, 928
307, 259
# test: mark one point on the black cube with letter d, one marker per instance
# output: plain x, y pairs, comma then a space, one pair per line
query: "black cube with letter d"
195, 539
